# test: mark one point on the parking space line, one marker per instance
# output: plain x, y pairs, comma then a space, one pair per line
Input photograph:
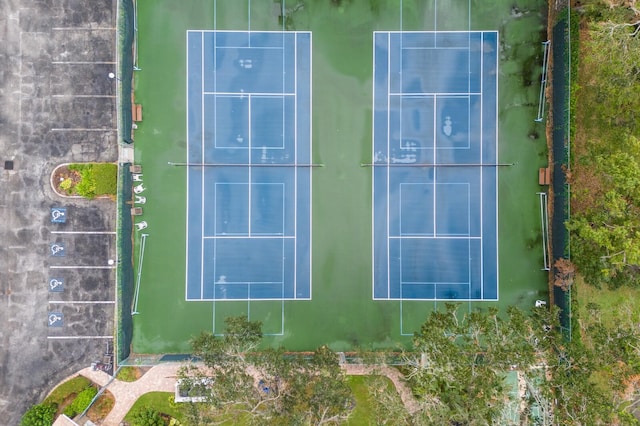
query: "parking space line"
83, 96
78, 337
83, 62
81, 267
85, 232
82, 302
82, 29
80, 129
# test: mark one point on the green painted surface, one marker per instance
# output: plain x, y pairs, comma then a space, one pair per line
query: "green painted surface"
341, 312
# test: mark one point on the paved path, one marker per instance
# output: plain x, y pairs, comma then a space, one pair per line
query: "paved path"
163, 378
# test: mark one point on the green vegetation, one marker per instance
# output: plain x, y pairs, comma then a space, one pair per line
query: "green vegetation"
80, 402
160, 402
376, 402
606, 169
262, 387
70, 387
95, 179
38, 415
128, 374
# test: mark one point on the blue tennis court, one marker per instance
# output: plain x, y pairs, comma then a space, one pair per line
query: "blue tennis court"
435, 165
249, 175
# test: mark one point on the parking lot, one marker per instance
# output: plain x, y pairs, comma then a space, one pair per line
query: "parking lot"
57, 105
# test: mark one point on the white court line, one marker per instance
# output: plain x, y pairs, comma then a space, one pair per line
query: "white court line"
481, 169
186, 269
496, 160
430, 237
435, 159
202, 150
247, 237
77, 337
252, 47
241, 94
310, 160
85, 232
83, 62
373, 173
82, 302
435, 48
433, 94
80, 129
388, 156
81, 267
249, 171
295, 161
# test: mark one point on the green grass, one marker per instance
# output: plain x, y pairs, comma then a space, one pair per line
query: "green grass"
70, 387
157, 400
362, 413
127, 374
612, 302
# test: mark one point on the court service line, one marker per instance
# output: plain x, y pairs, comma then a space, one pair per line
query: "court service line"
82, 302
85, 232
81, 267
435, 159
242, 94
496, 141
433, 94
434, 237
249, 134
252, 237
77, 337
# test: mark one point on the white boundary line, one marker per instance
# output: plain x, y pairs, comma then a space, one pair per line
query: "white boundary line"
388, 157
497, 140
188, 171
249, 168
310, 171
373, 172
202, 151
241, 94
295, 160
481, 168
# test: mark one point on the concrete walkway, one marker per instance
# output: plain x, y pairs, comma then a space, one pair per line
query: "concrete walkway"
162, 378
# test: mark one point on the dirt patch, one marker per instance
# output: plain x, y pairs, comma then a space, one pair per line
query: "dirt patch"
101, 408
64, 180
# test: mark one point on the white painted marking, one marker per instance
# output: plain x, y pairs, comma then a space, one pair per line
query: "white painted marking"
85, 232
82, 302
81, 267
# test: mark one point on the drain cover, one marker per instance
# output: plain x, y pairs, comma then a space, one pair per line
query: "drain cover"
8, 165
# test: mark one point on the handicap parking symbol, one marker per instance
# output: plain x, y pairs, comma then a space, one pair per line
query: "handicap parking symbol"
58, 214
56, 319
57, 249
56, 285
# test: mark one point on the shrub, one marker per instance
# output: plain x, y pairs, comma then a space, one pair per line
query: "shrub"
87, 185
66, 184
81, 402
39, 415
148, 416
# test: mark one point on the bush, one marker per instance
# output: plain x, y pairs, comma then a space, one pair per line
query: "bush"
81, 402
148, 416
73, 386
39, 415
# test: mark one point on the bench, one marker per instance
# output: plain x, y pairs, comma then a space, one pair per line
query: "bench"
544, 176
136, 112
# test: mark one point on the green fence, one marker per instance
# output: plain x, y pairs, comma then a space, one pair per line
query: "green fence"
124, 281
126, 30
562, 133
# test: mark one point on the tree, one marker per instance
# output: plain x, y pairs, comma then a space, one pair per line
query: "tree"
564, 273
38, 415
267, 386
